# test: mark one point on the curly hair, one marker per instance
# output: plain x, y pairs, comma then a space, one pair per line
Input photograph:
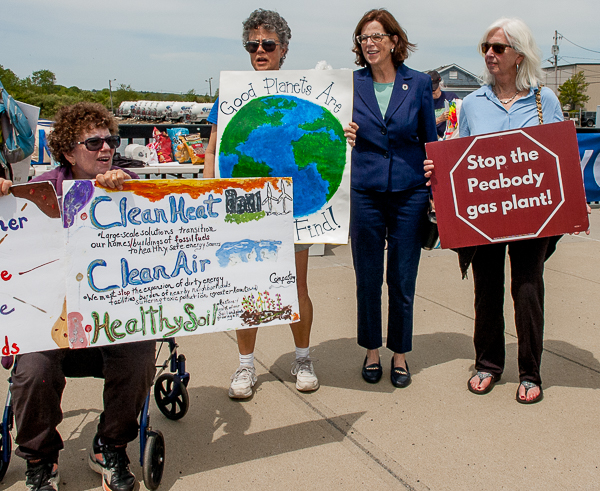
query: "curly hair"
391, 26
72, 122
271, 21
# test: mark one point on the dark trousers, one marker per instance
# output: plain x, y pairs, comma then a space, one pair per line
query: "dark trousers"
527, 288
374, 218
39, 380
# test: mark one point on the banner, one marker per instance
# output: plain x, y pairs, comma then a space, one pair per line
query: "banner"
32, 270
589, 151
161, 258
290, 124
511, 185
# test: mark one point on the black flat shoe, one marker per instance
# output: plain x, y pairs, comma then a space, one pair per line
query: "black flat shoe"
372, 373
400, 376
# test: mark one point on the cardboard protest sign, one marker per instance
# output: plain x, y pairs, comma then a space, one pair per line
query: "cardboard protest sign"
180, 257
158, 259
506, 186
32, 270
290, 124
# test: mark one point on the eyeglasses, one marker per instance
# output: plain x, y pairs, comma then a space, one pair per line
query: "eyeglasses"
96, 143
376, 37
267, 44
498, 48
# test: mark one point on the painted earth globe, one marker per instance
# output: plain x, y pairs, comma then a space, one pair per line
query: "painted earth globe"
285, 136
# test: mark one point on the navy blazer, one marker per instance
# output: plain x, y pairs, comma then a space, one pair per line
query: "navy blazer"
389, 153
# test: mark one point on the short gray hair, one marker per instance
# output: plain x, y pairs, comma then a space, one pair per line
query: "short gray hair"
271, 21
520, 37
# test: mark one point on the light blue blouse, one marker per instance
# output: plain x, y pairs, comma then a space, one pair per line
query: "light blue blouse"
482, 112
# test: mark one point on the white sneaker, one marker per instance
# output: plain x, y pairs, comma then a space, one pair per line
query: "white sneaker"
242, 382
303, 370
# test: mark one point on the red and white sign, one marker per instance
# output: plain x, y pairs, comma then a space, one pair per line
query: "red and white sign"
517, 184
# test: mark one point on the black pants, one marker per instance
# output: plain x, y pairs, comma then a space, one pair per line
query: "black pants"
527, 288
39, 380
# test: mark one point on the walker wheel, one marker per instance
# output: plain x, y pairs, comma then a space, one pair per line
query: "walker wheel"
173, 403
154, 460
4, 465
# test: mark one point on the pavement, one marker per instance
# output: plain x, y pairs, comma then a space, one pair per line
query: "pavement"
348, 435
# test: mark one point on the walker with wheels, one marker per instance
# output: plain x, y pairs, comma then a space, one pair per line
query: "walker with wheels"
170, 394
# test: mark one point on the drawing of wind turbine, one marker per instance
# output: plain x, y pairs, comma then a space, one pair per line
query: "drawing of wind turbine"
269, 199
284, 195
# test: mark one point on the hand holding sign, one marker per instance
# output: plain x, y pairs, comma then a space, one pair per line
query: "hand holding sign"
506, 186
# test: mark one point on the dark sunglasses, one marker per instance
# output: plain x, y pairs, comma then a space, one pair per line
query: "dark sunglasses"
267, 44
498, 48
96, 143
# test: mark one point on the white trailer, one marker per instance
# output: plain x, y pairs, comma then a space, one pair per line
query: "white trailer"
200, 111
125, 109
163, 110
180, 111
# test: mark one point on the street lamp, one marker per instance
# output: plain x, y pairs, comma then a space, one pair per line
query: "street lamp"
110, 92
209, 86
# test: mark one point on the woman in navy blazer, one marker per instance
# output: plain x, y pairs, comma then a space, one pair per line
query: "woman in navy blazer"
393, 119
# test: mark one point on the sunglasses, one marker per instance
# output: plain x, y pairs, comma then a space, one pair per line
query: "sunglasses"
267, 44
376, 38
96, 143
498, 48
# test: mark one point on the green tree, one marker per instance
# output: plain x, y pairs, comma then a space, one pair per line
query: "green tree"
190, 96
572, 92
45, 80
9, 79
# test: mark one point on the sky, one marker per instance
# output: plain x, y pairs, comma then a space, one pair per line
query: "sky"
178, 45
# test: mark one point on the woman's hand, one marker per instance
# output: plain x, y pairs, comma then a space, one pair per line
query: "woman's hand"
113, 179
428, 168
5, 185
589, 211
350, 133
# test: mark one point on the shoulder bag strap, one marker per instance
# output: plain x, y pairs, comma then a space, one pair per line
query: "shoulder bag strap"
538, 102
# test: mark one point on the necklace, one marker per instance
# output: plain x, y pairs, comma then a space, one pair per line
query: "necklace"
506, 101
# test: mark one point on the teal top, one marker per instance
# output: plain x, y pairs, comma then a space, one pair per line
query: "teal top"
383, 92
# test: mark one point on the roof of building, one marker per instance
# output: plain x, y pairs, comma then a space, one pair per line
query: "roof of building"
469, 79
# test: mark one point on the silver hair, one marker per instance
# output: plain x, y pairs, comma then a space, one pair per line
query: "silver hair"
271, 21
520, 37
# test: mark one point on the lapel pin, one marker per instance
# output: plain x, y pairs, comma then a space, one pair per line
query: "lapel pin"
404, 87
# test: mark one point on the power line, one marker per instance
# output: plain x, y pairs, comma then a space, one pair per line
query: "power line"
574, 44
580, 58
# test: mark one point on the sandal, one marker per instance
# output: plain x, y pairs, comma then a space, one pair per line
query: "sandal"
482, 376
528, 386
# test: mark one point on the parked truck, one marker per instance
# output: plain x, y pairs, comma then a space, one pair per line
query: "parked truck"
588, 118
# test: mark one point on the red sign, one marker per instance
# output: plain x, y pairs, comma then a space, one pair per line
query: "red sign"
517, 184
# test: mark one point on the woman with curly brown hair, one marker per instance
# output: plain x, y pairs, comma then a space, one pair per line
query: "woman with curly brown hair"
83, 141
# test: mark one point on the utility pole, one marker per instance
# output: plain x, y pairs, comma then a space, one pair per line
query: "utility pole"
555, 54
110, 92
209, 86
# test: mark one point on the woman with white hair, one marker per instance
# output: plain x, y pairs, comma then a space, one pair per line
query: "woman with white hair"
509, 99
